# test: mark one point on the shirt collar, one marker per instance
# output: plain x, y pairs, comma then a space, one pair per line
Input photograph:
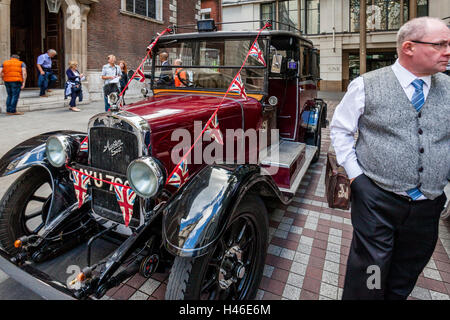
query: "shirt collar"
405, 77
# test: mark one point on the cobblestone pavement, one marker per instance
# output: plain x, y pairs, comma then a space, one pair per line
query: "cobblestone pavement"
309, 245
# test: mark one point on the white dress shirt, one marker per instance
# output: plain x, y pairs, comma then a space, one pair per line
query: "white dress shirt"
345, 119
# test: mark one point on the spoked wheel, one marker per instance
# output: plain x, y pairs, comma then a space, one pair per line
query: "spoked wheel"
234, 269
24, 207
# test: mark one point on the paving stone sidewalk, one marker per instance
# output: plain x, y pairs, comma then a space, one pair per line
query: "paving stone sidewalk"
309, 245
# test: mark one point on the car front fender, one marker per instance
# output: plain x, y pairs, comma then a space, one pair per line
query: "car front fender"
197, 214
32, 153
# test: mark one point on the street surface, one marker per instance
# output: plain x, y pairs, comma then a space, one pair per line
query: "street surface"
309, 242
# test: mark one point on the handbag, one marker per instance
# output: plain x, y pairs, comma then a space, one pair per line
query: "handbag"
337, 184
76, 87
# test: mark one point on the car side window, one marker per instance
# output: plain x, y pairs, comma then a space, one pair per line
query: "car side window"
306, 57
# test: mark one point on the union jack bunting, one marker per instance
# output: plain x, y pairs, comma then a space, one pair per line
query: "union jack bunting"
180, 175
214, 130
256, 53
125, 198
140, 75
80, 183
84, 145
150, 47
238, 86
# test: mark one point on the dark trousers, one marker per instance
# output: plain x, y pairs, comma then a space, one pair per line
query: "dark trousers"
392, 233
13, 91
73, 97
45, 81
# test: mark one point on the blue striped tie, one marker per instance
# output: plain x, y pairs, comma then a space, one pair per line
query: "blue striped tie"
418, 99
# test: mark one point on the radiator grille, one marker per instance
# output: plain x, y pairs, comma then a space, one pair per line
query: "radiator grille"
105, 203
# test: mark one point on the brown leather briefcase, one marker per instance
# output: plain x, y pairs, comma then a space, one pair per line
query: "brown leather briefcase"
337, 184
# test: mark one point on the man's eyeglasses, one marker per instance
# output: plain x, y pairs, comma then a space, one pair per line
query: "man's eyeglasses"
441, 46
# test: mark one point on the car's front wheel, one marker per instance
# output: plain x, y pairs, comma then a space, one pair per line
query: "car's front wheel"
234, 269
24, 207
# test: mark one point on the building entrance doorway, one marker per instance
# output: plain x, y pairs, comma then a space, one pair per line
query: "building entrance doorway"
34, 30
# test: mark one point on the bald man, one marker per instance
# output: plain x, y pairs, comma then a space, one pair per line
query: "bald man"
400, 164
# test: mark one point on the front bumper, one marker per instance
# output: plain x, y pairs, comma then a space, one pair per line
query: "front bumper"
35, 280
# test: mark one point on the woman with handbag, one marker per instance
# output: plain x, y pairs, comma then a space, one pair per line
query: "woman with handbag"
73, 85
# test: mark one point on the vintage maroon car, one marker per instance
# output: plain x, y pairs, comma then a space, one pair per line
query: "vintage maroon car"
211, 225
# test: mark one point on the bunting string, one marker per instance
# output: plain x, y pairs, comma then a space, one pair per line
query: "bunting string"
149, 53
267, 25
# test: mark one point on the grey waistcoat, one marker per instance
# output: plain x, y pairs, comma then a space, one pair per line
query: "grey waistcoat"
398, 147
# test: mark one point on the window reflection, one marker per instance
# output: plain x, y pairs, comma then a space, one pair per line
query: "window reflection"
383, 14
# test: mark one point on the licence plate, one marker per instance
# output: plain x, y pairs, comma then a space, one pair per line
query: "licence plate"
111, 177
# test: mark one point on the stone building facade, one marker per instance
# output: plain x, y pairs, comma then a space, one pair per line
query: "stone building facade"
87, 31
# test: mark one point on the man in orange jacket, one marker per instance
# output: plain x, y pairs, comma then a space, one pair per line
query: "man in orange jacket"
14, 74
180, 74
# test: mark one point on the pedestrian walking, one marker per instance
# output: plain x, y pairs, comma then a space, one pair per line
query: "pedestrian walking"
400, 164
14, 74
123, 78
73, 87
111, 73
46, 77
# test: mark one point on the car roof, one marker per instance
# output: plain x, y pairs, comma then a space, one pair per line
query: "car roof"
234, 34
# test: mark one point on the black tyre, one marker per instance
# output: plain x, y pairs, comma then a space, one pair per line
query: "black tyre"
234, 269
24, 207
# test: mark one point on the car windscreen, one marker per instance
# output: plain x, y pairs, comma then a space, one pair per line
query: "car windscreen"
207, 64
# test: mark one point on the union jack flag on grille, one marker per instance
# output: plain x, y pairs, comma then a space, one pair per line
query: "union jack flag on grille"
80, 183
180, 175
238, 86
256, 53
84, 145
125, 198
214, 130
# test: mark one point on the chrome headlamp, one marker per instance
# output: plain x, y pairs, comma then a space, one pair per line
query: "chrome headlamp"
146, 176
144, 92
113, 98
58, 150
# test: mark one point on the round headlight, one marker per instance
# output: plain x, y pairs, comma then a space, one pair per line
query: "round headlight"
57, 150
146, 177
273, 101
113, 98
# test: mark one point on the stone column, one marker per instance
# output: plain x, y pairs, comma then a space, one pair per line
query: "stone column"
412, 9
5, 43
5, 29
173, 12
75, 36
362, 38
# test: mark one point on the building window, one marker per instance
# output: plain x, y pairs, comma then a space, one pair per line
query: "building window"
146, 8
422, 8
267, 12
312, 17
380, 14
205, 13
288, 16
